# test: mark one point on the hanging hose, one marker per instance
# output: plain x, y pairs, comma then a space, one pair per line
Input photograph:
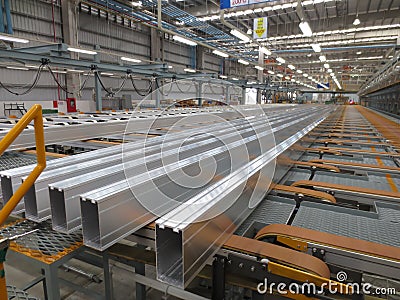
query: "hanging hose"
64, 88
102, 84
138, 91
159, 88
36, 79
177, 85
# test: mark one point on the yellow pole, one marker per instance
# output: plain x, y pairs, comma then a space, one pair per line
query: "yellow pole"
35, 113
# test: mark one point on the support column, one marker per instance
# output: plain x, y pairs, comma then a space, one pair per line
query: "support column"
260, 74
69, 19
199, 58
200, 94
156, 49
227, 100
97, 86
244, 95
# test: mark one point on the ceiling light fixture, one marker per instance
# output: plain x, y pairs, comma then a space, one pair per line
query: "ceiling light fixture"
13, 39
265, 51
243, 62
17, 68
189, 70
305, 28
223, 76
183, 40
259, 68
322, 58
356, 21
240, 35
326, 66
316, 47
271, 72
131, 59
281, 60
217, 52
291, 67
77, 50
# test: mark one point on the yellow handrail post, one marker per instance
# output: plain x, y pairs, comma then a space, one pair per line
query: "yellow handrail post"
35, 114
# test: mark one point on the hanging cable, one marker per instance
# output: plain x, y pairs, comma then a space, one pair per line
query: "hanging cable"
179, 88
64, 88
161, 91
138, 91
121, 86
102, 84
35, 81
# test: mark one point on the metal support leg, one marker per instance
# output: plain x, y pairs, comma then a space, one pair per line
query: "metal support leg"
52, 282
140, 269
200, 94
218, 278
97, 86
108, 284
227, 94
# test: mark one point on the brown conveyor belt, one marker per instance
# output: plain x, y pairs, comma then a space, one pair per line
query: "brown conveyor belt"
345, 150
310, 183
389, 129
351, 142
338, 135
332, 130
278, 254
307, 192
327, 239
316, 165
343, 163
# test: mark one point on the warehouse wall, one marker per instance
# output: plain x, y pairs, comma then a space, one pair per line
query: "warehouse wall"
33, 19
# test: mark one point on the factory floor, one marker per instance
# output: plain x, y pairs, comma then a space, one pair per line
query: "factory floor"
20, 273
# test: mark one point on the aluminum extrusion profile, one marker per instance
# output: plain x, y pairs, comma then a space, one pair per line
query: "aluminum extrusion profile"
184, 245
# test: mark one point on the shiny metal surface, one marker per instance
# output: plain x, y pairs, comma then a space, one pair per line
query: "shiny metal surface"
184, 243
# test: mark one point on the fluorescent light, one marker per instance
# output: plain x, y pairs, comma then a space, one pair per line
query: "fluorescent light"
217, 52
234, 78
170, 67
356, 22
287, 77
291, 67
107, 74
305, 75
189, 70
280, 75
131, 59
322, 58
316, 47
329, 71
240, 35
183, 40
332, 74
223, 76
259, 68
306, 29
293, 80
299, 71
326, 66
359, 53
77, 50
281, 60
13, 39
243, 62
17, 68
59, 71
265, 51
271, 72
75, 71
137, 4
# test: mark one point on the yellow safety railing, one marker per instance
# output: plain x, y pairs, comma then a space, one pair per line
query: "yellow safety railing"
35, 114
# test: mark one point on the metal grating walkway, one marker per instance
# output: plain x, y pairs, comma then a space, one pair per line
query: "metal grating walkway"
17, 294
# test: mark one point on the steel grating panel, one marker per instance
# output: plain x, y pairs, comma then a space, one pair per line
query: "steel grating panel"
272, 210
15, 293
352, 180
348, 222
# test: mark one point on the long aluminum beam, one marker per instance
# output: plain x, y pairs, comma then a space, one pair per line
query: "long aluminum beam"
64, 195
37, 200
100, 227
185, 242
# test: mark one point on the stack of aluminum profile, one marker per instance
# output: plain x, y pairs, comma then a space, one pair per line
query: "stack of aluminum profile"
200, 183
